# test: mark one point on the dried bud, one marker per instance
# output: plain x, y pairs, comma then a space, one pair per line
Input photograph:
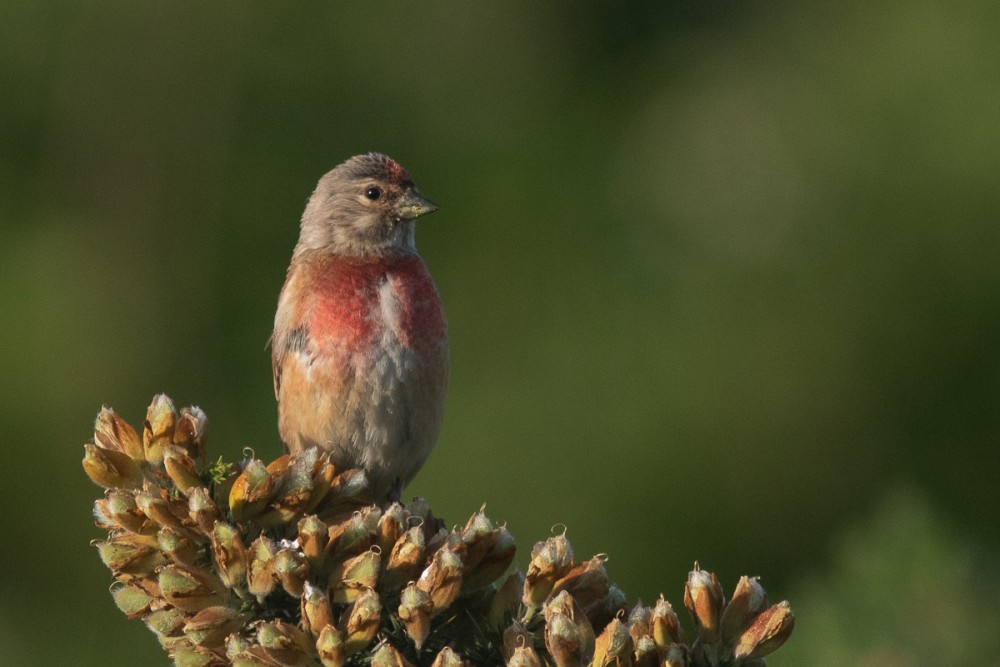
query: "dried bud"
229, 554
111, 469
189, 589
114, 433
704, 599
316, 610
130, 554
330, 647
261, 578
448, 658
189, 433
181, 469
767, 633
361, 622
291, 569
492, 564
569, 637
202, 509
442, 579
514, 637
285, 644
388, 655
405, 560
178, 547
666, 626
415, 610
122, 510
313, 535
587, 582
613, 646
158, 430
350, 537
524, 656
640, 622
391, 526
251, 490
210, 626
749, 599
159, 507
352, 577
550, 560
165, 622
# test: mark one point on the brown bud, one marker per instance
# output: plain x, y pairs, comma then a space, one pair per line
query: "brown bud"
446, 657
316, 610
285, 644
704, 600
405, 560
361, 622
415, 610
189, 589
113, 432
442, 578
210, 626
749, 599
524, 656
202, 509
388, 655
122, 510
229, 554
550, 560
158, 429
313, 535
587, 582
180, 468
352, 577
178, 547
677, 655
391, 526
569, 637
767, 632
111, 469
646, 653
514, 637
261, 578
506, 599
330, 647
613, 646
666, 627
251, 490
189, 433
291, 569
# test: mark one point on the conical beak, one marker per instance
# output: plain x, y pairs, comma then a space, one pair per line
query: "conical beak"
413, 205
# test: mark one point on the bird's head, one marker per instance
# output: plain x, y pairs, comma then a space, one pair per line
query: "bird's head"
365, 206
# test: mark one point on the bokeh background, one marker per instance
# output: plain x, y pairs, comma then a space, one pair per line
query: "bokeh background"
722, 281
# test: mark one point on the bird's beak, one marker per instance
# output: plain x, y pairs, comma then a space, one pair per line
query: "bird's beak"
413, 205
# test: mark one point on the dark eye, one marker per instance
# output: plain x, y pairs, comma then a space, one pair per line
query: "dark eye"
372, 192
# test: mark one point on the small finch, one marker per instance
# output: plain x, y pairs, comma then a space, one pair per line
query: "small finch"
360, 346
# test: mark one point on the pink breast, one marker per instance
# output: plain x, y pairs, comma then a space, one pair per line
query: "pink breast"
347, 313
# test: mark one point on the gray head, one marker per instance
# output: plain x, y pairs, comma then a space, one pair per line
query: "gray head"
364, 206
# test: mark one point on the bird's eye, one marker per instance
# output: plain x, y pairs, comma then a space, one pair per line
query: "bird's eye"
372, 192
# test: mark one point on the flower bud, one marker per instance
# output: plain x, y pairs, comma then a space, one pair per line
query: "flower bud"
180, 468
189, 589
767, 632
388, 655
133, 601
158, 430
613, 646
202, 509
113, 432
550, 560
352, 577
111, 469
229, 554
291, 569
189, 433
666, 627
446, 657
704, 599
210, 626
330, 646
313, 535
261, 578
178, 547
361, 622
405, 560
316, 610
251, 490
415, 610
285, 644
442, 578
524, 656
749, 599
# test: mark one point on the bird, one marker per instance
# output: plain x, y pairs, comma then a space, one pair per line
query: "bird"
359, 351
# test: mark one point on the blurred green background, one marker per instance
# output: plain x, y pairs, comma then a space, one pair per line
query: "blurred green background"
722, 283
